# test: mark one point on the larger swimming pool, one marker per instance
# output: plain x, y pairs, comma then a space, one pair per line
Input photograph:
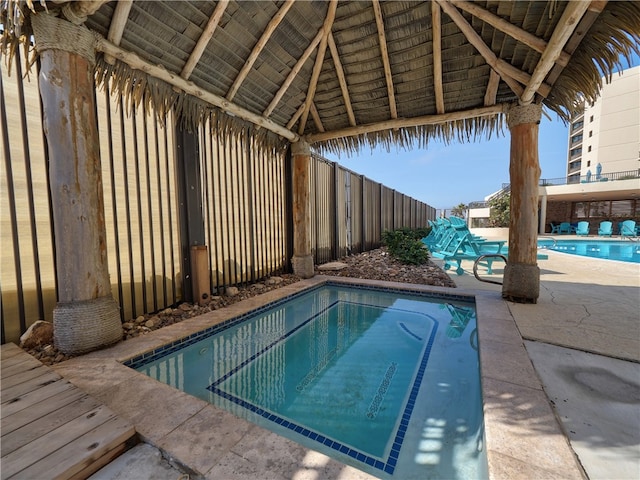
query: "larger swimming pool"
385, 381
624, 251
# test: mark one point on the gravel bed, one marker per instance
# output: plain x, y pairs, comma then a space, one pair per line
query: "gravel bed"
374, 265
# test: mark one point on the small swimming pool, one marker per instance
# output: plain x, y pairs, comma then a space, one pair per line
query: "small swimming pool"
379, 379
624, 251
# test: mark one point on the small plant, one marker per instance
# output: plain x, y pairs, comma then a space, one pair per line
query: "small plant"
406, 246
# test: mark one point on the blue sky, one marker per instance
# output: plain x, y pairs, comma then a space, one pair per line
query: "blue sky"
444, 176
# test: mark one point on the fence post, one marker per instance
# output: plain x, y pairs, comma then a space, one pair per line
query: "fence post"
189, 206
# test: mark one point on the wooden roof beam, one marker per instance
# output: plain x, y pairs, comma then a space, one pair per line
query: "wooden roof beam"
203, 41
161, 73
436, 28
264, 38
407, 123
519, 34
116, 28
508, 72
568, 22
595, 9
293, 73
492, 89
342, 79
385, 58
316, 117
317, 67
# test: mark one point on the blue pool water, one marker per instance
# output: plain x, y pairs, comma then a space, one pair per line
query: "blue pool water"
624, 251
385, 381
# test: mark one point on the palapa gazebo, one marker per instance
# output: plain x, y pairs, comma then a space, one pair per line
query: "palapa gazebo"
333, 75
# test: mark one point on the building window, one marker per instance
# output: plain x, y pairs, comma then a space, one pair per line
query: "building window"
590, 133
591, 118
589, 149
589, 162
576, 151
576, 138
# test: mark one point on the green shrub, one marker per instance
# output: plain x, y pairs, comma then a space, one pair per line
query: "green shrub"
405, 245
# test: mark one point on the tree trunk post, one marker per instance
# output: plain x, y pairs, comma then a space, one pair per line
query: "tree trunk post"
302, 261
522, 275
86, 316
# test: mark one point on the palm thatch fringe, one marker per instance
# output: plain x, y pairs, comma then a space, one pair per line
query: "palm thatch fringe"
597, 56
467, 130
138, 89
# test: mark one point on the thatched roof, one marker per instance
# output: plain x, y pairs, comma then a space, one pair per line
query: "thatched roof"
349, 73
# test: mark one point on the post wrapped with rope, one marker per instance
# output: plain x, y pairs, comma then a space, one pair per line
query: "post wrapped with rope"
86, 317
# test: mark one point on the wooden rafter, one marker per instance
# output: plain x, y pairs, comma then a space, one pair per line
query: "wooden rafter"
264, 38
507, 71
492, 89
342, 79
538, 44
385, 58
296, 116
118, 21
317, 67
436, 28
568, 22
316, 117
595, 9
161, 73
293, 73
203, 41
406, 123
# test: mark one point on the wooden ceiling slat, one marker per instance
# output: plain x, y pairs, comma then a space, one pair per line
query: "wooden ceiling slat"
492, 89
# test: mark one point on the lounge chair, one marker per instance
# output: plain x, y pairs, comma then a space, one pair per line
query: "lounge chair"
555, 227
466, 247
628, 228
605, 229
583, 228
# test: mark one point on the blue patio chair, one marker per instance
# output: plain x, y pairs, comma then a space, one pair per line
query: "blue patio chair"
583, 228
628, 228
555, 227
605, 229
565, 228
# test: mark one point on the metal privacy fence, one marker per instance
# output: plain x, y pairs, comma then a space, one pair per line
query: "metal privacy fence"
243, 207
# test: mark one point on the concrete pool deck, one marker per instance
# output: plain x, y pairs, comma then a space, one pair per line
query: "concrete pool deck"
539, 393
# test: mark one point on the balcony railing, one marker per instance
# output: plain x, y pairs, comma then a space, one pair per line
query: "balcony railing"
568, 180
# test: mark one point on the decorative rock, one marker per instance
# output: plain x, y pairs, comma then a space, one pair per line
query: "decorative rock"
273, 281
150, 323
332, 266
38, 334
140, 320
231, 291
258, 286
128, 325
185, 307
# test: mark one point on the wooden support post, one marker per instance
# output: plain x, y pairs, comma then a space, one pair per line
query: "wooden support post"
86, 316
302, 261
522, 275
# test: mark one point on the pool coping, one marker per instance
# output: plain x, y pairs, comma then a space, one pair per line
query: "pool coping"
523, 436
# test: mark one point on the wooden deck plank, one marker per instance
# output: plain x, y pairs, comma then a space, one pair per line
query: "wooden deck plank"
17, 365
50, 428
24, 417
27, 400
25, 376
9, 350
63, 463
42, 447
46, 377
45, 424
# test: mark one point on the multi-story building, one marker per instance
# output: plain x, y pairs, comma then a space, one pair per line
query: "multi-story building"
603, 163
605, 136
